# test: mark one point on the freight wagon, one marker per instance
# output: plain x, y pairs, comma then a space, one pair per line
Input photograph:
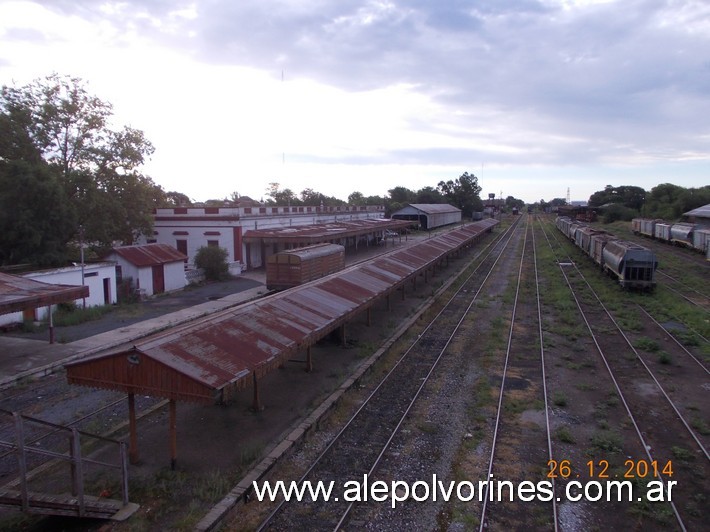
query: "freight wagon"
632, 265
685, 234
662, 231
701, 240
294, 267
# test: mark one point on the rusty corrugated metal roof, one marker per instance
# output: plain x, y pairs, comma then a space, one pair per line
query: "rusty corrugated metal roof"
325, 231
225, 348
149, 254
19, 293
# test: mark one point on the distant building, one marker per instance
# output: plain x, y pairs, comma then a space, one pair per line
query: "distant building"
242, 230
154, 268
429, 215
700, 216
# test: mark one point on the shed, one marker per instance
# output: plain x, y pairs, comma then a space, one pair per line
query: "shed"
700, 216
154, 268
429, 215
19, 294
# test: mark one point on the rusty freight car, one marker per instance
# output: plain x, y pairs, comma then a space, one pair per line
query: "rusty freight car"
293, 267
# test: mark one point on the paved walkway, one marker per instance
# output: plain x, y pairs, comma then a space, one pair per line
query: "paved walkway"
25, 358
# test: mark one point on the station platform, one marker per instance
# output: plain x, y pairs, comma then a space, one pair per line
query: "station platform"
32, 358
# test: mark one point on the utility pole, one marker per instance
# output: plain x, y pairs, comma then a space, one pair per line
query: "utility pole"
81, 248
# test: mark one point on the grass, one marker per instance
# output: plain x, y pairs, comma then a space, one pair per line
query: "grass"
605, 441
564, 434
67, 315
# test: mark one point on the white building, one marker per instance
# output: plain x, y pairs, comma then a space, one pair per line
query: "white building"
153, 268
190, 228
100, 277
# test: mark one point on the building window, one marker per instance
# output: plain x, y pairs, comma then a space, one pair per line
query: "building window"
213, 243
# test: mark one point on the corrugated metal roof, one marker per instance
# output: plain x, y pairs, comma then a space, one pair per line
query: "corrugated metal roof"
149, 254
225, 348
700, 212
18, 293
326, 231
433, 208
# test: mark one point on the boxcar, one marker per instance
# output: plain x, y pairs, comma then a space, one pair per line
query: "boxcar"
633, 265
682, 234
662, 231
293, 267
701, 240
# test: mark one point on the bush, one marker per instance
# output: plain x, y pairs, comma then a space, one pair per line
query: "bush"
617, 212
213, 261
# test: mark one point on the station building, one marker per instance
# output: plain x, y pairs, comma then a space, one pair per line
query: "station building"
251, 234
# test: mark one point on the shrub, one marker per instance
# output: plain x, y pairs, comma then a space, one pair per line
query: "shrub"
213, 261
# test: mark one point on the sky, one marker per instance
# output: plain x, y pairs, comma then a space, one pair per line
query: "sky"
537, 98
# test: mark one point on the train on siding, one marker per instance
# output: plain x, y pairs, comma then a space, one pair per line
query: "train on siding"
633, 265
297, 266
684, 234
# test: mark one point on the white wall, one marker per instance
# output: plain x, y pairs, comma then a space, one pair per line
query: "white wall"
94, 275
174, 273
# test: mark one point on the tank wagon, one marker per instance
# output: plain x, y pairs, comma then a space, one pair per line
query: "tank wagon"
294, 267
632, 265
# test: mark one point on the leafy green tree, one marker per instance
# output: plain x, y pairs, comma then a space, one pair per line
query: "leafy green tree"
175, 199
213, 260
281, 197
628, 196
99, 168
356, 198
463, 192
35, 219
514, 203
429, 195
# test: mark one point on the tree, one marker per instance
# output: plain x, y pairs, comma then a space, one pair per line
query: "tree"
213, 260
281, 197
429, 195
35, 219
628, 196
463, 193
99, 168
175, 199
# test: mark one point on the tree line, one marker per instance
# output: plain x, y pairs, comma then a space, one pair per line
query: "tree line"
67, 176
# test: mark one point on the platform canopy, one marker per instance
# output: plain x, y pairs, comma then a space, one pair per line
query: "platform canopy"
205, 360
19, 293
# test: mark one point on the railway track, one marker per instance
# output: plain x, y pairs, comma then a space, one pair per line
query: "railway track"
695, 297
52, 399
660, 427
359, 446
520, 449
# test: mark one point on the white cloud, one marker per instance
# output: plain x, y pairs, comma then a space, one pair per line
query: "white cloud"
379, 94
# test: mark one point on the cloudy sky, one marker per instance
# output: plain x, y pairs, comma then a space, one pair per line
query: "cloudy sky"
534, 97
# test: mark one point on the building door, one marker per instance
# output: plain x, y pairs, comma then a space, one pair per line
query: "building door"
158, 279
107, 291
181, 246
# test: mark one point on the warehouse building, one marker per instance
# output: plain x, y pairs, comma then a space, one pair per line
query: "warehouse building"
429, 215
